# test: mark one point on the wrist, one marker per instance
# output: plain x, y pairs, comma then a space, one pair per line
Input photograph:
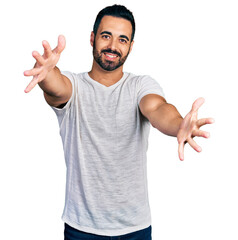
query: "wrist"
177, 124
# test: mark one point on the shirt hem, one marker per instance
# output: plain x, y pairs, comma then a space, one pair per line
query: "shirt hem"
105, 232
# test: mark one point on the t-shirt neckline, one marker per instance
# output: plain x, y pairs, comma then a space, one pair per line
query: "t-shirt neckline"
124, 76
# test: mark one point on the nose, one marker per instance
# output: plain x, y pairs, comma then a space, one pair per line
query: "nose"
112, 44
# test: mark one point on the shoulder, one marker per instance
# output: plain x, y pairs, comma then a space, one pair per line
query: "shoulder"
141, 78
71, 74
74, 77
143, 81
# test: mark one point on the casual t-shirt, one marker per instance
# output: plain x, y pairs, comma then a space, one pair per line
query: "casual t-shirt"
105, 139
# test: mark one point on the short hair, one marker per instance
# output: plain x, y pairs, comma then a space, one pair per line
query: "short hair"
115, 11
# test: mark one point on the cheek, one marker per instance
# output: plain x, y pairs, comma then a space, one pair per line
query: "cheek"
100, 45
126, 50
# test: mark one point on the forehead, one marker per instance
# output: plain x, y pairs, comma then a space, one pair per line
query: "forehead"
115, 25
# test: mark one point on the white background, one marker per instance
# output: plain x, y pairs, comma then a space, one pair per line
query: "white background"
190, 47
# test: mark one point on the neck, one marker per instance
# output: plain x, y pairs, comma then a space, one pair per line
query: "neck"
105, 77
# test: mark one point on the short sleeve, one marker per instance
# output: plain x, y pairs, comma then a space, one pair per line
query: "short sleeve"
148, 85
60, 112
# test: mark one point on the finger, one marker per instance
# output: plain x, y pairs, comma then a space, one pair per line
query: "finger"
38, 57
194, 145
31, 84
32, 72
205, 121
47, 49
61, 45
197, 104
199, 133
181, 151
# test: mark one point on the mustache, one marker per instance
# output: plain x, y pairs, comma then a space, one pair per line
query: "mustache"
111, 51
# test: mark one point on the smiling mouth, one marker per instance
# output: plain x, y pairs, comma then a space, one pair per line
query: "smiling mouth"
111, 56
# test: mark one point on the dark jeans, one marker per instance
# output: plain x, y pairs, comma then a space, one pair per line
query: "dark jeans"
74, 234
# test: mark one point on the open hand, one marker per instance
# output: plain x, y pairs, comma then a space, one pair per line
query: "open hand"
190, 127
45, 63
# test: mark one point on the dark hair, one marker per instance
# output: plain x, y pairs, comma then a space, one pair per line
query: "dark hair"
115, 11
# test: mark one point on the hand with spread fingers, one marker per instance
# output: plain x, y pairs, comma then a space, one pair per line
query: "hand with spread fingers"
45, 63
190, 128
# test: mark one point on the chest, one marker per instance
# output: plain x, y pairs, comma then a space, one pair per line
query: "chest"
109, 111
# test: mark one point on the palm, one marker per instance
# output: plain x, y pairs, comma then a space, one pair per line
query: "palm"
45, 63
190, 128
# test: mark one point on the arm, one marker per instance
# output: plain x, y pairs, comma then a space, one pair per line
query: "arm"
57, 87
162, 115
167, 119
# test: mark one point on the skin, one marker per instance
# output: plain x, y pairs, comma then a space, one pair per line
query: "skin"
114, 35
118, 28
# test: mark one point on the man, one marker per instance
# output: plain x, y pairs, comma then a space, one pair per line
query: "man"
104, 117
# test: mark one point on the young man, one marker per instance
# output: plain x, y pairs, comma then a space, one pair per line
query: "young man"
104, 117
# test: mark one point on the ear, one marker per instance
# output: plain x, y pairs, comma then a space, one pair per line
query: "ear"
131, 46
92, 38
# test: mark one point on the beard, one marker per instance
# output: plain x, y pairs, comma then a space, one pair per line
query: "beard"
108, 65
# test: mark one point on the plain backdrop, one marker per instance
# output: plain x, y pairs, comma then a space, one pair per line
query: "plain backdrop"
190, 47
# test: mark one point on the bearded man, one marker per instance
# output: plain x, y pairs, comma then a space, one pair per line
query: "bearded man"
104, 117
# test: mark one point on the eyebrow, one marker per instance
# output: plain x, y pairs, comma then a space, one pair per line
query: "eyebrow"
109, 33
124, 36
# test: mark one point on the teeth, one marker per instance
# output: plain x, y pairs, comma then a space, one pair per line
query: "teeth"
111, 56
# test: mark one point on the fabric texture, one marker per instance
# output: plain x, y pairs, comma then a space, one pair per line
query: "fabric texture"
105, 140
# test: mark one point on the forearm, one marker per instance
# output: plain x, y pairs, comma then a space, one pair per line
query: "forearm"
166, 119
53, 83
57, 88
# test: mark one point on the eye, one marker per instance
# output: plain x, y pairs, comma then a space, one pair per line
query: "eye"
105, 36
122, 40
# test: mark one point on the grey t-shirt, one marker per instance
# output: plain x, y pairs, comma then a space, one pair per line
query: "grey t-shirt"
105, 139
